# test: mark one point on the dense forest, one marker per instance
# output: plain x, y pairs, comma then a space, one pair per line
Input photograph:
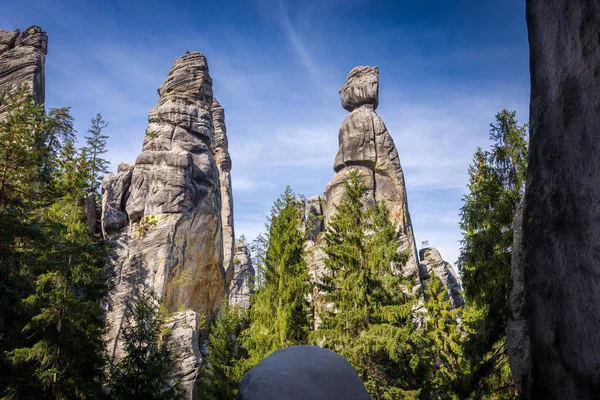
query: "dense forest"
402, 342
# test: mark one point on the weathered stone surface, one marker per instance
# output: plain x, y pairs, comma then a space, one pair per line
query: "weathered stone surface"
431, 261
114, 196
561, 233
165, 211
362, 87
518, 343
182, 341
300, 373
223, 161
314, 216
22, 58
241, 286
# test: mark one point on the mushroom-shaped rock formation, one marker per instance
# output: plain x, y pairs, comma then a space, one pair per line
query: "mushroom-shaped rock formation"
302, 373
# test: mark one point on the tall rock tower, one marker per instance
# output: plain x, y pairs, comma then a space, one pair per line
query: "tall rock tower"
366, 145
168, 216
22, 59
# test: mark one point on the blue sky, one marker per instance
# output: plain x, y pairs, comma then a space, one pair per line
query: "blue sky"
446, 67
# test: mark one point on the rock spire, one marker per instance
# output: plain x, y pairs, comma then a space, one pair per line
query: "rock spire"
164, 214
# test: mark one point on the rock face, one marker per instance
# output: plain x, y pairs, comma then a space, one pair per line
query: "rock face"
22, 58
223, 161
561, 234
302, 372
431, 261
162, 215
518, 342
366, 145
241, 286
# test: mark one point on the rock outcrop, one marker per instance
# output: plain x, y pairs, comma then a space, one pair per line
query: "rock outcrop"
365, 145
241, 286
22, 59
162, 215
561, 235
302, 372
431, 261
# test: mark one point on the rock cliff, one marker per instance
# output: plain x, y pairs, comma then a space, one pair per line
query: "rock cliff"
559, 265
22, 59
164, 215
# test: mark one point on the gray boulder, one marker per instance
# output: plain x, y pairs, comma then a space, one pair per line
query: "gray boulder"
302, 373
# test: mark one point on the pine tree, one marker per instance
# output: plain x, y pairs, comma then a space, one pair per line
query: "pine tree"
443, 342
144, 371
496, 185
96, 146
220, 376
369, 319
279, 312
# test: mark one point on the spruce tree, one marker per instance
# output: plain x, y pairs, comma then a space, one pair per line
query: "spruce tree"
96, 147
279, 312
368, 318
220, 376
496, 185
144, 371
64, 354
442, 343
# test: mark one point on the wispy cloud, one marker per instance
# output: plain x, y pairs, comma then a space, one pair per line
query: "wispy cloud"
297, 44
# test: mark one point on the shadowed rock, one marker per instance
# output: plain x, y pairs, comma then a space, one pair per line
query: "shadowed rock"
561, 234
302, 373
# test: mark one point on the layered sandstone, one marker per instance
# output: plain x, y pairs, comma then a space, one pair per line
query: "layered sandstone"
162, 215
558, 268
22, 59
242, 284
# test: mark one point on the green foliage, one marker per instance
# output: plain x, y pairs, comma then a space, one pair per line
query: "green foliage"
96, 146
279, 314
51, 281
442, 342
220, 376
369, 319
144, 371
496, 186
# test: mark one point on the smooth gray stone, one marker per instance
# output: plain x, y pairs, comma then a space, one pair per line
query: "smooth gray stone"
302, 373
